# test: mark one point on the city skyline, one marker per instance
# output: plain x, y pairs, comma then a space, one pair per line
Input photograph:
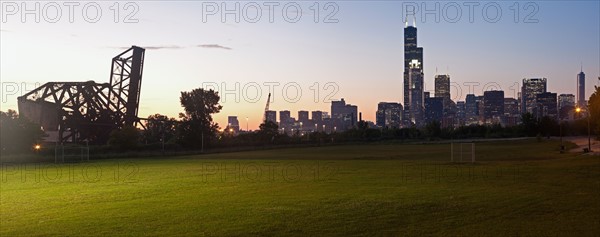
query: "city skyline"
224, 49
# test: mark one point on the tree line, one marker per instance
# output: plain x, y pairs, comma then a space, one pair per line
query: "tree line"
195, 129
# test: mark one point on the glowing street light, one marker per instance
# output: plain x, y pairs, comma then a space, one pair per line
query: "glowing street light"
579, 110
37, 147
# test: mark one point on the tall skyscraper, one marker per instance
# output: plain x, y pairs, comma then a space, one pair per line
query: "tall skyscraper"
389, 115
581, 89
442, 88
413, 77
530, 89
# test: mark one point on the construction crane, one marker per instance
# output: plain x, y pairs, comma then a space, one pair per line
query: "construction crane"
266, 109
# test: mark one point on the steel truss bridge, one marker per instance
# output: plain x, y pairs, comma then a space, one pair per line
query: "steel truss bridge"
89, 111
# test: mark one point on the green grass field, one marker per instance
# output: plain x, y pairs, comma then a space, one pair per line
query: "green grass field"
516, 188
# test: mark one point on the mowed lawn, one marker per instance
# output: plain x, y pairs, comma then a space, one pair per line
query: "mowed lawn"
516, 188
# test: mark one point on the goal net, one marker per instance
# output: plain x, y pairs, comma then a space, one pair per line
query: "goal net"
71, 153
462, 152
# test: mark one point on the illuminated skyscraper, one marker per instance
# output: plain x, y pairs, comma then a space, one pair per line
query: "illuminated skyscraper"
413, 77
530, 89
442, 88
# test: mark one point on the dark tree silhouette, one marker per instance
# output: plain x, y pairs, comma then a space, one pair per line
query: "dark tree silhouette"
17, 134
197, 128
268, 131
159, 126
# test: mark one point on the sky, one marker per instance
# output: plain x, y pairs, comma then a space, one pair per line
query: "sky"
345, 49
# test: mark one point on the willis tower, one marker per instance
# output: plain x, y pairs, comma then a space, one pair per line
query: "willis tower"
414, 85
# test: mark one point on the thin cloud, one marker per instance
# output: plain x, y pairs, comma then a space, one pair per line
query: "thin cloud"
159, 47
162, 47
213, 46
151, 47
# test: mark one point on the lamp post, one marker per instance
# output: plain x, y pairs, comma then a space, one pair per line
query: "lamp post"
579, 110
247, 124
37, 148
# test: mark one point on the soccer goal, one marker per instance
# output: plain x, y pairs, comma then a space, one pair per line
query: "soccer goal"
462, 152
71, 153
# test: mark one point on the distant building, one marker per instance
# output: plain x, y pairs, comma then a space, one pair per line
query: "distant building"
317, 116
471, 110
442, 90
285, 121
493, 107
303, 116
511, 107
271, 116
343, 116
434, 109
530, 89
512, 115
565, 100
546, 105
389, 115
581, 89
233, 123
566, 106
460, 113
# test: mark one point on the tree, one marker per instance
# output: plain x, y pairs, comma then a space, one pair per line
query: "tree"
197, 128
594, 108
433, 129
159, 127
529, 124
17, 134
125, 139
548, 126
268, 131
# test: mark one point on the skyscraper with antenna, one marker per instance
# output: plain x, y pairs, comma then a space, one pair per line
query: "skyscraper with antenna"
581, 89
413, 77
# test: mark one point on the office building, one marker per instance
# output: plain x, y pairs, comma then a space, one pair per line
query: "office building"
389, 115
530, 89
493, 107
546, 105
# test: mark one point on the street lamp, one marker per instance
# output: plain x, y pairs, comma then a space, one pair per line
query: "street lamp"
246, 124
579, 110
37, 148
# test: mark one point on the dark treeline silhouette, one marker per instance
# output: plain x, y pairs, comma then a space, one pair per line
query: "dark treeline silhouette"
196, 130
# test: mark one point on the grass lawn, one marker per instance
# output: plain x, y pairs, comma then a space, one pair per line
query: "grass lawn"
516, 188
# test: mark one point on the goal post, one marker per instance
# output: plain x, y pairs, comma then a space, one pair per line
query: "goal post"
71, 153
462, 152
